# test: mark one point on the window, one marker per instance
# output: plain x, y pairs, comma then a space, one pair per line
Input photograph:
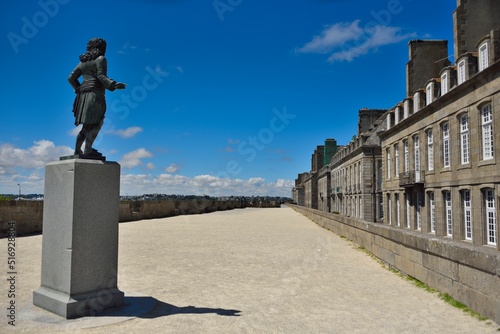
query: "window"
461, 71
429, 96
483, 56
444, 84
389, 208
467, 214
446, 145
430, 151
416, 148
491, 219
398, 208
407, 196
448, 213
380, 206
464, 138
388, 153
396, 160
419, 209
487, 131
416, 102
406, 108
432, 212
406, 157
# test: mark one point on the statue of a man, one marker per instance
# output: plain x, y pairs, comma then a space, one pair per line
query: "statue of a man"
90, 103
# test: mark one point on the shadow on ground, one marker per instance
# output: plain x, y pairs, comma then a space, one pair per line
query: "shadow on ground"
150, 308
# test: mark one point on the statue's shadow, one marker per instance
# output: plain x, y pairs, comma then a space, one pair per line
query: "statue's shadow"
151, 308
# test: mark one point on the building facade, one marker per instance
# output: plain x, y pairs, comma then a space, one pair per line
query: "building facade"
441, 174
419, 186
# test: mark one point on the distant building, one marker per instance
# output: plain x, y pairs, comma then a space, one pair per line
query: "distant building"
356, 171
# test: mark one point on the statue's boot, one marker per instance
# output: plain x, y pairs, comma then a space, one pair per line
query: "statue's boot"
91, 136
80, 138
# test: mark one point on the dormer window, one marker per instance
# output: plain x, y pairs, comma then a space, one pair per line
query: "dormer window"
483, 56
416, 102
461, 72
444, 83
407, 107
429, 90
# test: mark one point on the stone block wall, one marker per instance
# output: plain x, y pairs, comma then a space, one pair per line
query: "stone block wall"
28, 215
468, 273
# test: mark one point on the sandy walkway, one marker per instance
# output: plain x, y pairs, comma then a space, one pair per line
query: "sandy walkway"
243, 271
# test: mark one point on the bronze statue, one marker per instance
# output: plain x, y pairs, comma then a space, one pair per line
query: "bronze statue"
90, 103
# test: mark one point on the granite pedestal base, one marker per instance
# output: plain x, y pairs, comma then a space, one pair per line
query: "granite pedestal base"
80, 238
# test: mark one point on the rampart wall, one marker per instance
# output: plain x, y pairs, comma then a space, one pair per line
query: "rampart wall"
468, 273
28, 215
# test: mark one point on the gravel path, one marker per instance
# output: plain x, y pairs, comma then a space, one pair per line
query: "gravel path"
243, 271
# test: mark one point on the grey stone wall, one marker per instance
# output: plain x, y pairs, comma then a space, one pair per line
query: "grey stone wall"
28, 215
468, 273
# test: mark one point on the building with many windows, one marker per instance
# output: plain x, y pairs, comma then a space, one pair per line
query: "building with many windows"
419, 185
356, 171
441, 175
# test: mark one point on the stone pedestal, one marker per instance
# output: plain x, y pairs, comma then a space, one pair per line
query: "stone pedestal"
80, 238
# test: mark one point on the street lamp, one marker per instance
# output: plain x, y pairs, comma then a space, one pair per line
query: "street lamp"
19, 185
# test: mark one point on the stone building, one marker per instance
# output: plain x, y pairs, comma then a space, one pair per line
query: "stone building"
440, 171
311, 189
421, 188
356, 172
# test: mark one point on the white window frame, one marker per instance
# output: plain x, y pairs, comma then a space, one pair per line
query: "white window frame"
396, 160
444, 83
408, 212
388, 154
389, 208
487, 131
432, 212
416, 151
430, 150
406, 108
464, 139
406, 153
446, 144
491, 219
398, 210
448, 213
416, 102
483, 59
418, 207
467, 214
429, 94
461, 71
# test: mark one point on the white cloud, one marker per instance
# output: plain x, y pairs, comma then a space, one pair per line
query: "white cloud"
127, 133
37, 156
347, 41
139, 184
25, 165
150, 165
133, 159
74, 132
159, 70
173, 168
333, 36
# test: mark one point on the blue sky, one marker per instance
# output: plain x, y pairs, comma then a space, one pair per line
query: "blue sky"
224, 97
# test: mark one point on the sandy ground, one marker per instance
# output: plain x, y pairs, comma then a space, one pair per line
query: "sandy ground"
242, 271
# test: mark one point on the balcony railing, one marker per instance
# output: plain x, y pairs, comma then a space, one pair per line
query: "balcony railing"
411, 178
